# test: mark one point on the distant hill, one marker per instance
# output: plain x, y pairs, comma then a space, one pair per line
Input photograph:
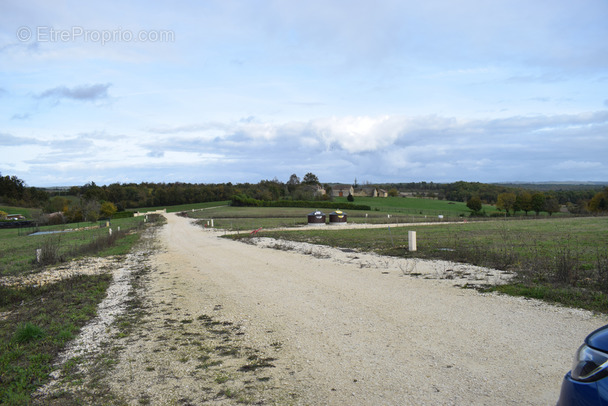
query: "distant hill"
546, 186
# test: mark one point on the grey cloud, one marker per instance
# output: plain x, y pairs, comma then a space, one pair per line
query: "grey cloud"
81, 92
22, 116
80, 143
8, 140
155, 154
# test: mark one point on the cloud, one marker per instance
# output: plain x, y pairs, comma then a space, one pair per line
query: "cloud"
80, 93
547, 77
8, 140
22, 116
156, 154
576, 165
367, 134
389, 148
189, 128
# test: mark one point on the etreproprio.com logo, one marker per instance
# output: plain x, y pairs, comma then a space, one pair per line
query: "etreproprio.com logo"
103, 36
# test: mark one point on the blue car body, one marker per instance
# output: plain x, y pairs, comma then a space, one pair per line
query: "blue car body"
587, 383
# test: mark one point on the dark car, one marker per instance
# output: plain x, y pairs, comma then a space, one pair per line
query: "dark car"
587, 383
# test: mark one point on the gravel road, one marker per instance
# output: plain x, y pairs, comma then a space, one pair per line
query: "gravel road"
343, 334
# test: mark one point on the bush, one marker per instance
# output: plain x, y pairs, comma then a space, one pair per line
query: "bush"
122, 215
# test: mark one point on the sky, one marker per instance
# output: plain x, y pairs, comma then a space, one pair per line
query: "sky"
242, 91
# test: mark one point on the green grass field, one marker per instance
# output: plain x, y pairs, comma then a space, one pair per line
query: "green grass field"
401, 210
18, 249
27, 212
412, 205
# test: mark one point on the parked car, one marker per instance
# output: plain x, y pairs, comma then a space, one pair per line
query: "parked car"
587, 383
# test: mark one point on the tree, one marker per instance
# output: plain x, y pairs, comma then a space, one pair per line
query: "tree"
11, 187
90, 210
310, 179
58, 203
551, 205
350, 198
474, 203
292, 183
107, 209
599, 202
524, 201
538, 202
506, 201
393, 192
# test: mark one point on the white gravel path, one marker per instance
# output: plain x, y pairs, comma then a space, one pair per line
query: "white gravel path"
346, 328
372, 335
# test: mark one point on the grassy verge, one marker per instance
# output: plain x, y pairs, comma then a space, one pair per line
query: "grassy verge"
37, 322
563, 260
40, 323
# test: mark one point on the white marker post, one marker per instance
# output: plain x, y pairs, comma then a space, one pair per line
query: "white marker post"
411, 238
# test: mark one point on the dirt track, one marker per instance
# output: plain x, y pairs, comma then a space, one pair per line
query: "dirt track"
340, 334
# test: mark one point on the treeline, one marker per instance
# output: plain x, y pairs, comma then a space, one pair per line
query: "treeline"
90, 197
14, 192
488, 193
131, 195
242, 200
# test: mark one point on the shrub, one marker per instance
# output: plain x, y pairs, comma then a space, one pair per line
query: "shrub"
565, 266
474, 203
49, 253
122, 215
